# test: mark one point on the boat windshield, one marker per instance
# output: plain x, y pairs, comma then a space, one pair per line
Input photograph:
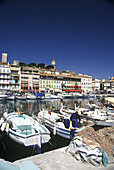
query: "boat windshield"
24, 127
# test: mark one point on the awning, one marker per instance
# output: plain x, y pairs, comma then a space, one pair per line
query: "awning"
74, 90
110, 99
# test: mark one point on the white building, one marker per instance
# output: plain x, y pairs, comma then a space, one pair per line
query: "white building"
4, 77
96, 84
86, 83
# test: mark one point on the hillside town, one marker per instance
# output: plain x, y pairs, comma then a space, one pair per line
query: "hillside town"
20, 77
30, 117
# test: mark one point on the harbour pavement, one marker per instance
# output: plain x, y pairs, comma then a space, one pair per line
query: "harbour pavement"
59, 159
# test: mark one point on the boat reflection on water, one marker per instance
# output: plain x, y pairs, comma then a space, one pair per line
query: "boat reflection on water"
10, 150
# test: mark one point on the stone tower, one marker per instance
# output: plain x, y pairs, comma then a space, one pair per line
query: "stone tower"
4, 57
53, 63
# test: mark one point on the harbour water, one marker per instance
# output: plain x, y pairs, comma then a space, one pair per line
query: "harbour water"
10, 150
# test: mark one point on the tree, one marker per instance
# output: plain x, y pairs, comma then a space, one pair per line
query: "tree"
32, 64
22, 64
49, 67
41, 65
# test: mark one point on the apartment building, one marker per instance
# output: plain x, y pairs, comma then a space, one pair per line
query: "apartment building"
29, 79
4, 77
86, 83
96, 84
4, 74
14, 76
55, 83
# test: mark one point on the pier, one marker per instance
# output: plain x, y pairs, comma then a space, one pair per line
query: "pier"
59, 159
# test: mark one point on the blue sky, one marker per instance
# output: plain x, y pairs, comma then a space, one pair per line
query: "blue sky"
78, 34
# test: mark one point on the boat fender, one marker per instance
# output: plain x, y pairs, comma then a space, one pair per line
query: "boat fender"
49, 112
1, 121
5, 115
7, 127
3, 126
54, 130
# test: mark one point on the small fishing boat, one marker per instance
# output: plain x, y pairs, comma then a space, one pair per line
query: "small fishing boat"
24, 130
96, 114
105, 123
58, 124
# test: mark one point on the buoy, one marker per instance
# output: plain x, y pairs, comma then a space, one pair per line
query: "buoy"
1, 121
3, 126
7, 127
5, 115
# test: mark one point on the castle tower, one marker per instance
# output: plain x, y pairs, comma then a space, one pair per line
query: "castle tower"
53, 63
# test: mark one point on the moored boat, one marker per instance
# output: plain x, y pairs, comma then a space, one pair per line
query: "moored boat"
3, 96
24, 130
58, 124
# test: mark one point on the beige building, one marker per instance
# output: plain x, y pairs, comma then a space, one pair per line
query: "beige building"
54, 83
29, 79
14, 78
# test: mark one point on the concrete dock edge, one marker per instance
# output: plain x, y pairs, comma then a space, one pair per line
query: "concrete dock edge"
59, 159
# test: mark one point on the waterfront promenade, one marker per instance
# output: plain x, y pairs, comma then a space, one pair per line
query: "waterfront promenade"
59, 159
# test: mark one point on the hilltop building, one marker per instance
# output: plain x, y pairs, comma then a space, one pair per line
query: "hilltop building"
53, 63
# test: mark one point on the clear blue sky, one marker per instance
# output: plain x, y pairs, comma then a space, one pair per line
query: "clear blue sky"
78, 34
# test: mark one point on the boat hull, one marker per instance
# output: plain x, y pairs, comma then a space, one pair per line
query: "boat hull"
25, 130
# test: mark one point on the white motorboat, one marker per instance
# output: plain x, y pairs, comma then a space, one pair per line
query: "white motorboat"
24, 130
3, 96
31, 96
58, 124
47, 96
67, 95
21, 97
11, 96
105, 123
97, 114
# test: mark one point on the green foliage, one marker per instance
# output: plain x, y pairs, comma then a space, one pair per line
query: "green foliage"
32, 64
49, 67
41, 65
22, 64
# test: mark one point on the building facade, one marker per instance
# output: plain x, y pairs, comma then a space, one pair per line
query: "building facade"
29, 79
14, 78
55, 83
4, 77
96, 84
86, 83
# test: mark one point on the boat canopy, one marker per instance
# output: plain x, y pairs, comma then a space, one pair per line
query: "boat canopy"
39, 94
